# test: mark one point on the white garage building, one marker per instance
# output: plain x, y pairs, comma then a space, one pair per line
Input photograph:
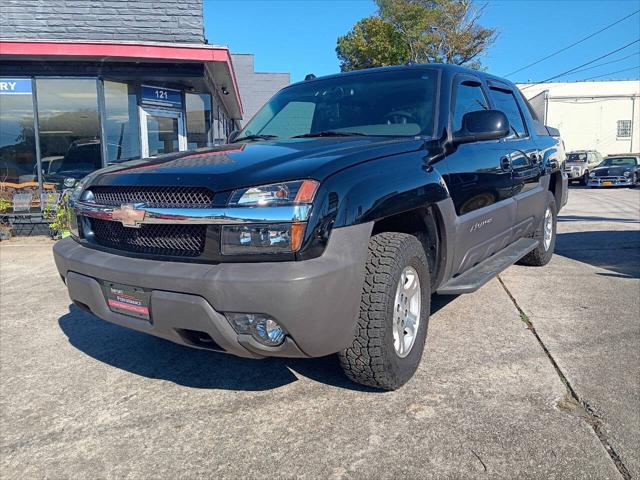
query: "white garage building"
603, 116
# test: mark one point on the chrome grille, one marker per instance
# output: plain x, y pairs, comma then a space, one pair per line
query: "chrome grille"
166, 240
154, 197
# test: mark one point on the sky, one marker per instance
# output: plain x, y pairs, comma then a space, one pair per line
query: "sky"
299, 36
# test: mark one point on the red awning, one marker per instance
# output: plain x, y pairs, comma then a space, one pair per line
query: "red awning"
217, 56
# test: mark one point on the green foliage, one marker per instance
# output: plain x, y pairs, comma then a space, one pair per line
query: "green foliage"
4, 205
423, 31
371, 43
59, 214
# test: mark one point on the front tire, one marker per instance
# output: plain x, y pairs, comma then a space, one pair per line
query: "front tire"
546, 236
585, 179
394, 313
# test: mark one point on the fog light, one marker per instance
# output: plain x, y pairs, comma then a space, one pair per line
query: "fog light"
260, 326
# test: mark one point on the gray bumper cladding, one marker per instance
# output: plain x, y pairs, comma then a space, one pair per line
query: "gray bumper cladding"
316, 301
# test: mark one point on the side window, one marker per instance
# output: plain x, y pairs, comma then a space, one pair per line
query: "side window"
506, 102
469, 97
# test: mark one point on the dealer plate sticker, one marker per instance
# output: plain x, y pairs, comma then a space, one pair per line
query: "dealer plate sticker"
127, 300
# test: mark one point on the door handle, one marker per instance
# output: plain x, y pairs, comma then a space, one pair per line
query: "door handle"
505, 164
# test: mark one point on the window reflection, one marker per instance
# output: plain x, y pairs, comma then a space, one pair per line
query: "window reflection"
198, 119
18, 170
69, 130
122, 128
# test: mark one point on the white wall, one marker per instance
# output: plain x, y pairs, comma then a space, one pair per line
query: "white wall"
591, 124
586, 113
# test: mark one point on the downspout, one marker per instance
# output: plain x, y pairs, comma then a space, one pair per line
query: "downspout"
633, 115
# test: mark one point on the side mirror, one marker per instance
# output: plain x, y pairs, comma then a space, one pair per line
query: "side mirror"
232, 136
482, 125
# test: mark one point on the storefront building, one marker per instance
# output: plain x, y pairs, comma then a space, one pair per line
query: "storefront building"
127, 88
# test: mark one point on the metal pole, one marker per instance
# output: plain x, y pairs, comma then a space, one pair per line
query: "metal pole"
36, 132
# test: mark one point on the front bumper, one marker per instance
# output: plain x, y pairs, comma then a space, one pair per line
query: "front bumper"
610, 182
316, 301
574, 174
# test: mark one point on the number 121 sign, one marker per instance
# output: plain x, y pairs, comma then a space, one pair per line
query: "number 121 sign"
167, 97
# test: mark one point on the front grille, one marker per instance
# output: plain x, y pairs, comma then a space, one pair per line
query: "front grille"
167, 240
154, 197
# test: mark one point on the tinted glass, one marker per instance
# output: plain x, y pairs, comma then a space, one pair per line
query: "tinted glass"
619, 162
163, 134
468, 98
394, 103
122, 127
69, 130
198, 119
18, 171
506, 102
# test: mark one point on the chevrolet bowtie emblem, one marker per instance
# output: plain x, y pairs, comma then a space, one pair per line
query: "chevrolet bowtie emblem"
131, 215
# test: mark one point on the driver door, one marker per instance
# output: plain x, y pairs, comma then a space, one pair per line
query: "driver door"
478, 177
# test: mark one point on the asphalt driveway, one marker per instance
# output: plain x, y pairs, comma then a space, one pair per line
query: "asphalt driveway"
537, 375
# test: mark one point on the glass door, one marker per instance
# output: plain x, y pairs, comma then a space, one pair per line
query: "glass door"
162, 131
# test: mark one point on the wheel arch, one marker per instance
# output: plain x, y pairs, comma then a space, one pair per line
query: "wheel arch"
427, 224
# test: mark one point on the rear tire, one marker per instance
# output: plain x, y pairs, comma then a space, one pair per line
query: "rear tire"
389, 341
546, 236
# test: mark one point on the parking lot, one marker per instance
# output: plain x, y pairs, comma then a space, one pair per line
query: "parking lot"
536, 375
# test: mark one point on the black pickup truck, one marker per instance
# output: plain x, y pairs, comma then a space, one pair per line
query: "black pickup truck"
327, 223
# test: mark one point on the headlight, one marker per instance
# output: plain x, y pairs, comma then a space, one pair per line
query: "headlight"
627, 174
269, 238
286, 193
592, 174
262, 238
79, 188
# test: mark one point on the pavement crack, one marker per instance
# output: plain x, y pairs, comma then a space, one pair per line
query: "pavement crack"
573, 402
479, 459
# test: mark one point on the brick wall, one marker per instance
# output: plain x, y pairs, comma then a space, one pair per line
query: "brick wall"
255, 87
178, 21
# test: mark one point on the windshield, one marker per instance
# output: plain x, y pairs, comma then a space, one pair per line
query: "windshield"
392, 103
577, 157
618, 162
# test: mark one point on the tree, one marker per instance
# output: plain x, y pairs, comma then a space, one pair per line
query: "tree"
372, 42
423, 31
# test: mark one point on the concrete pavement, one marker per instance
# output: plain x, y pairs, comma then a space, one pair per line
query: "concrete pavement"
83, 398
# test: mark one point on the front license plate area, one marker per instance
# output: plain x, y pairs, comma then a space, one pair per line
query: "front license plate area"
607, 184
127, 300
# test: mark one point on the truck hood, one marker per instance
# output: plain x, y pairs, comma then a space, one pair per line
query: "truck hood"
249, 164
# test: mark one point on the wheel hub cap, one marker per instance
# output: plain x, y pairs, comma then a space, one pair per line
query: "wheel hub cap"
548, 228
406, 311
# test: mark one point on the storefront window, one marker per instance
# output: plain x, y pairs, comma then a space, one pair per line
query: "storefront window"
69, 130
18, 166
198, 119
121, 126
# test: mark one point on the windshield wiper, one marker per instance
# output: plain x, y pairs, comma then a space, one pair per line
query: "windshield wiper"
255, 137
330, 133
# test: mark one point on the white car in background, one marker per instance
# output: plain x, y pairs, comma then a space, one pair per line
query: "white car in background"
580, 163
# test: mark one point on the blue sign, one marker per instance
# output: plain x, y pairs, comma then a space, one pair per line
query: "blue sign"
167, 97
15, 86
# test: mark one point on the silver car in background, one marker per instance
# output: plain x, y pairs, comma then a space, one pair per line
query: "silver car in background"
580, 163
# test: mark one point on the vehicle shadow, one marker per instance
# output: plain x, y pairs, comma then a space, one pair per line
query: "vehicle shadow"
615, 250
154, 357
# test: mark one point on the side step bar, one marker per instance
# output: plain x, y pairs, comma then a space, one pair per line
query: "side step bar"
475, 277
